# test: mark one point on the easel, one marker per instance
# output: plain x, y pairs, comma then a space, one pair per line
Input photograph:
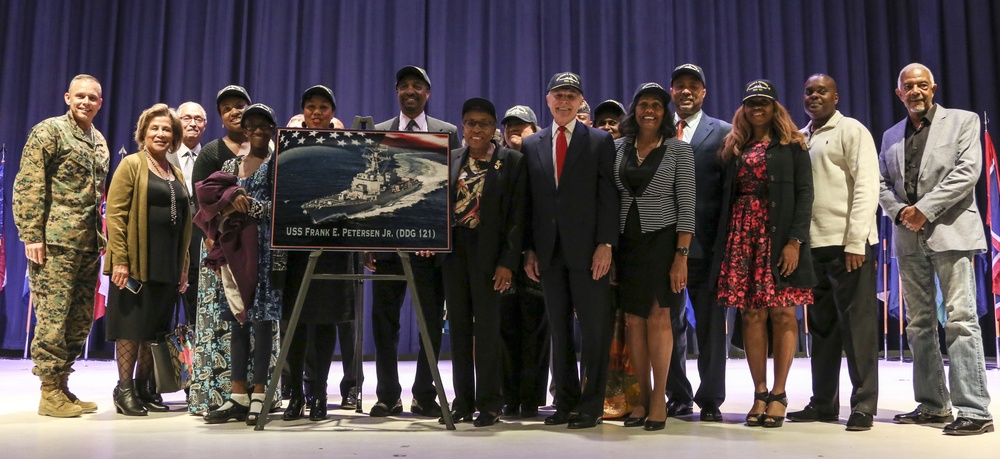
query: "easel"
293, 322
358, 275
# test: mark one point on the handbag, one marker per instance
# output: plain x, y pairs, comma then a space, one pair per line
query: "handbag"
173, 359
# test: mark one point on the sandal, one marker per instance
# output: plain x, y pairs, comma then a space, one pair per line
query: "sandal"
756, 419
774, 421
256, 407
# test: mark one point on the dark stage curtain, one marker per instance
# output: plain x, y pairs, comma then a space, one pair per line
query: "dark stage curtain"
177, 50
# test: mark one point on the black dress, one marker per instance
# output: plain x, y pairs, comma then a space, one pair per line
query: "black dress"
144, 315
644, 259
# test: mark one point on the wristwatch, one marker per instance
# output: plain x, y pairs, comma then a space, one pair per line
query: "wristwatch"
683, 251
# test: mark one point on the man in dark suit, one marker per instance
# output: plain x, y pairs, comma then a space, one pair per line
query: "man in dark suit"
704, 134
413, 88
929, 164
573, 227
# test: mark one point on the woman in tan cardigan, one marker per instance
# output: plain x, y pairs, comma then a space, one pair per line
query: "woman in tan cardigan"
149, 226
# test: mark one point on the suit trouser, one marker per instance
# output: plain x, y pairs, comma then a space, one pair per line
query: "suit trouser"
963, 336
474, 327
525, 333
710, 331
387, 302
62, 292
568, 290
844, 319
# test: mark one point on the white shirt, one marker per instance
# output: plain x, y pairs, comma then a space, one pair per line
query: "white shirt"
569, 136
186, 158
691, 126
421, 120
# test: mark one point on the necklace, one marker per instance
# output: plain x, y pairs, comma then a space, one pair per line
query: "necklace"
170, 185
640, 159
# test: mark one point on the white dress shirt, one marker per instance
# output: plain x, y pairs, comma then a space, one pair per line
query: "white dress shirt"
569, 136
421, 120
690, 126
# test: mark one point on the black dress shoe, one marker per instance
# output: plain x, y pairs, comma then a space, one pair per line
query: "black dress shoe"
350, 401
486, 419
918, 417
235, 412
711, 414
585, 421
635, 422
511, 411
458, 417
967, 426
295, 409
859, 422
675, 408
425, 408
650, 426
317, 409
126, 401
382, 409
811, 414
558, 418
528, 412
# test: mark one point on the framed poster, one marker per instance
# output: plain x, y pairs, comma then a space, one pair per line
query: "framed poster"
361, 190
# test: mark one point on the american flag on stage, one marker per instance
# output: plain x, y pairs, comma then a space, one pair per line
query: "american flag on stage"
419, 141
993, 213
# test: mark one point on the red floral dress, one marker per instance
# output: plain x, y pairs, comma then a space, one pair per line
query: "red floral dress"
746, 280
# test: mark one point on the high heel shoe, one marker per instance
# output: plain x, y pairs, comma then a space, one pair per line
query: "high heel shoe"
146, 392
296, 408
770, 421
231, 410
317, 409
653, 425
757, 419
635, 422
126, 401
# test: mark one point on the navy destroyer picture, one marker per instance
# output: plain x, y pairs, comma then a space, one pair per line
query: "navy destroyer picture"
377, 185
361, 190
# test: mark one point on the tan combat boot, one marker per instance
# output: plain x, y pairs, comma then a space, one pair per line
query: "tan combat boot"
87, 407
54, 402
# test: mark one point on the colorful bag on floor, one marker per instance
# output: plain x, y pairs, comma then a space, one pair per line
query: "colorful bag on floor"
173, 360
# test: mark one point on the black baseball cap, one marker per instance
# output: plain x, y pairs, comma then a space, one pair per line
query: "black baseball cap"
232, 90
651, 88
609, 105
760, 88
480, 104
258, 109
689, 69
415, 71
584, 108
520, 112
319, 90
565, 80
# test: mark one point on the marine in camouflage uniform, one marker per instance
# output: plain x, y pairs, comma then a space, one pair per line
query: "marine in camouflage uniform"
57, 194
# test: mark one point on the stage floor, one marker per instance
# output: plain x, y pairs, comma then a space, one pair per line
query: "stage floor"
177, 434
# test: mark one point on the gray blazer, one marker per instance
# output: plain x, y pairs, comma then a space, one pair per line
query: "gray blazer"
949, 170
433, 125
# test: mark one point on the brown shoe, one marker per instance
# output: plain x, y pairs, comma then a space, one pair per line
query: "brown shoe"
54, 402
87, 407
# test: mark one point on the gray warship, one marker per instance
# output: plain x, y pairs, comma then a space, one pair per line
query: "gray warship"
376, 186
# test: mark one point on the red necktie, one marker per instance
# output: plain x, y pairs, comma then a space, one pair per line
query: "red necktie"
561, 147
680, 129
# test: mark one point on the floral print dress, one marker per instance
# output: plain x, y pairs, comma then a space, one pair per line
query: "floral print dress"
745, 279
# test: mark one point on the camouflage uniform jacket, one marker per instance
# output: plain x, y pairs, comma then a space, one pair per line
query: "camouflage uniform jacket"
58, 189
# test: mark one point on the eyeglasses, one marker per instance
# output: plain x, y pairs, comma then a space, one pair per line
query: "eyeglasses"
757, 102
190, 119
477, 124
254, 127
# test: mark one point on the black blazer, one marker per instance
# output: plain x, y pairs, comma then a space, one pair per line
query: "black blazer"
501, 208
790, 199
583, 211
708, 176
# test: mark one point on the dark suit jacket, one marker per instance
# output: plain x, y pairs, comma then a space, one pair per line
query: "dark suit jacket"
790, 200
501, 208
583, 211
708, 175
433, 125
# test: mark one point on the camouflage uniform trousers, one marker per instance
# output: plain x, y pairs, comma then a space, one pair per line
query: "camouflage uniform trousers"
63, 295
